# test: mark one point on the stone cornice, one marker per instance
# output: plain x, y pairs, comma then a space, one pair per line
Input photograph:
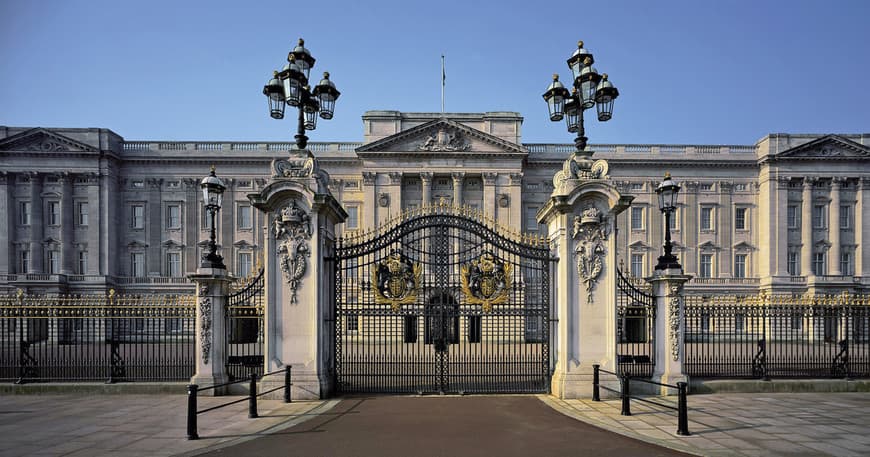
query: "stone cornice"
380, 147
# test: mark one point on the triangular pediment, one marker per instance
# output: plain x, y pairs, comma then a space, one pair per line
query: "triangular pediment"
743, 246
172, 244
827, 147
442, 136
707, 246
43, 140
136, 245
243, 244
639, 246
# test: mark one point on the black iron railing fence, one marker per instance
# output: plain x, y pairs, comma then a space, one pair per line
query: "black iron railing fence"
96, 337
778, 336
635, 328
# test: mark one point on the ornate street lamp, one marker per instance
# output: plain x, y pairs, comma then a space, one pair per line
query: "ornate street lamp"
589, 89
668, 191
290, 87
212, 193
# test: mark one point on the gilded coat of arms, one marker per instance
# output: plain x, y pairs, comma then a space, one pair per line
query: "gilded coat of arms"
486, 281
396, 281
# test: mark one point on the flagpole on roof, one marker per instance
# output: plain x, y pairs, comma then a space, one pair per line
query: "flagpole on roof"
443, 81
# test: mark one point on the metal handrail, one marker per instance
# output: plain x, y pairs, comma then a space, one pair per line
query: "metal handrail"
625, 394
193, 389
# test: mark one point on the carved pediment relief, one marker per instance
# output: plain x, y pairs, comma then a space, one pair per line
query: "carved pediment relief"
639, 246
828, 147
708, 246
743, 246
442, 136
42, 140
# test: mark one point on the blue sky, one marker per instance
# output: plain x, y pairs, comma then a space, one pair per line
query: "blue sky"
717, 72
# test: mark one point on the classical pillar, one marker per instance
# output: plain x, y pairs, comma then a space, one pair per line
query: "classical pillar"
212, 289
458, 176
724, 228
395, 193
370, 204
95, 221
862, 228
192, 210
779, 225
8, 213
154, 227
807, 227
228, 224
670, 328
67, 223
515, 197
426, 181
834, 227
690, 227
37, 225
489, 181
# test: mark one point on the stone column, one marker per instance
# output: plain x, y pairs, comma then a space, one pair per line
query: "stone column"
834, 228
862, 228
426, 181
489, 181
458, 176
514, 218
779, 225
67, 223
581, 216
724, 230
95, 221
192, 209
37, 225
8, 214
154, 227
670, 328
227, 215
369, 207
395, 193
690, 226
212, 288
807, 228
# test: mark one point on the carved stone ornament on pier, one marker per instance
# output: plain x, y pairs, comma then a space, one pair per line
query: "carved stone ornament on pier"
299, 164
292, 231
674, 305
205, 322
445, 141
577, 168
590, 234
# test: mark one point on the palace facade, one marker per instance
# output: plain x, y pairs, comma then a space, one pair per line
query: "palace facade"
84, 210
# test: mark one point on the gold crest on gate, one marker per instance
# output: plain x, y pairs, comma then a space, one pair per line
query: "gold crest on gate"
486, 281
396, 281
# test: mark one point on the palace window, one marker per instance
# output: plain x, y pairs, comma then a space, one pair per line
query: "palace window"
706, 218
637, 265
845, 217
173, 216
740, 219
173, 264
137, 264
797, 321
137, 216
206, 219
705, 322
243, 264
792, 214
705, 269
819, 264
53, 262
707, 186
532, 218
792, 264
637, 218
846, 264
53, 213
352, 321
352, 222
820, 217
83, 263
740, 266
244, 218
25, 213
82, 213
739, 323
24, 262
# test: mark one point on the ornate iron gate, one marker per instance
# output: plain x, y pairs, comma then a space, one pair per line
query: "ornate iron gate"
244, 324
442, 300
636, 315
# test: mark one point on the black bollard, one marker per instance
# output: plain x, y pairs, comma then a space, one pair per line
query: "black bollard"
252, 396
191, 412
626, 396
682, 411
595, 394
287, 384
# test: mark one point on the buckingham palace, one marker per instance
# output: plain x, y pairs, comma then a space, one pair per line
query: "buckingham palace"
85, 210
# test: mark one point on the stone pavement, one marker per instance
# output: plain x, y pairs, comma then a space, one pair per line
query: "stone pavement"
757, 424
134, 425
155, 425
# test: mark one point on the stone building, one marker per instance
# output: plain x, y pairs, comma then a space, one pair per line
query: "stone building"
83, 210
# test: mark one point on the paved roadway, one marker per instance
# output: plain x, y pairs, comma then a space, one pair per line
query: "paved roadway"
443, 426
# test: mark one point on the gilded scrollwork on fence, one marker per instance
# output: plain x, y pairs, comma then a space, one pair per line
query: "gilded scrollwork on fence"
590, 234
486, 281
205, 324
397, 281
292, 232
674, 305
